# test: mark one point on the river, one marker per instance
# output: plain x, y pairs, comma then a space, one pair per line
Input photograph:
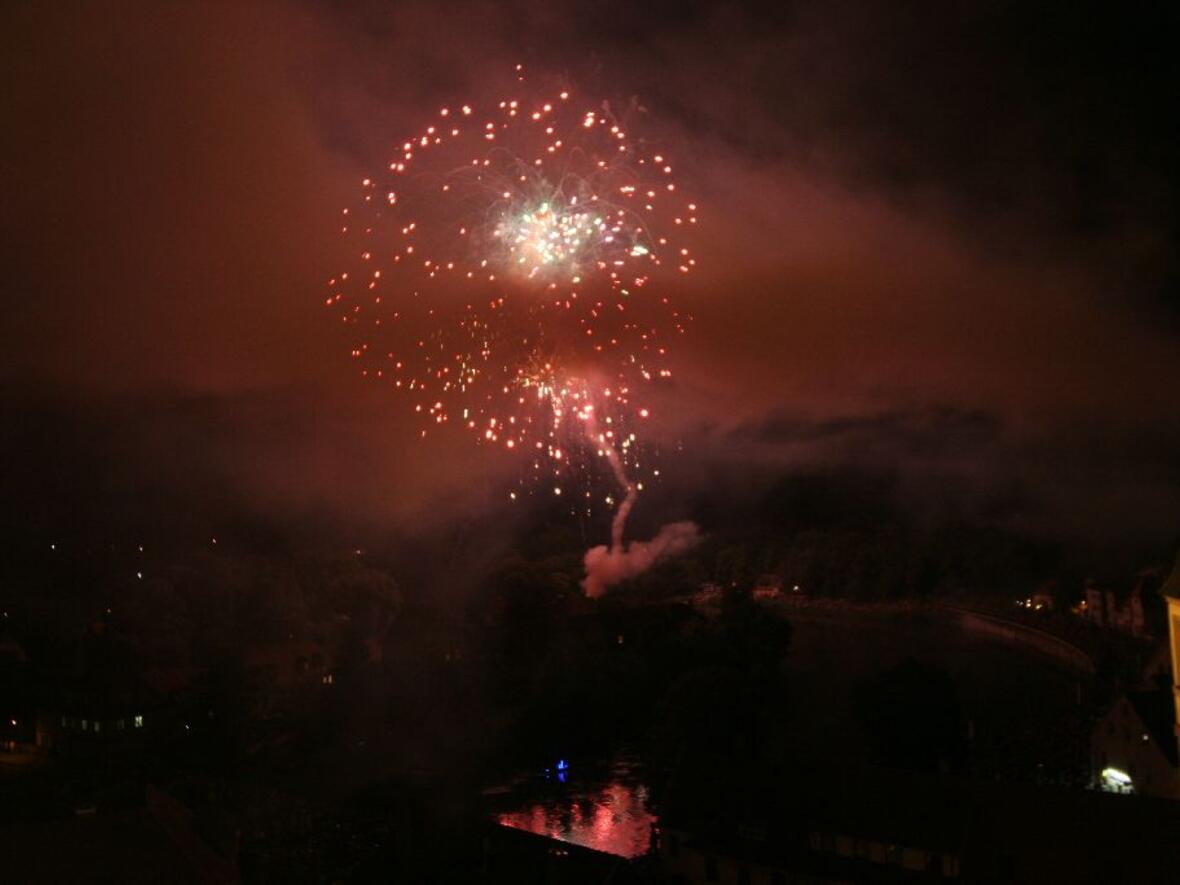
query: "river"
603, 807
1026, 714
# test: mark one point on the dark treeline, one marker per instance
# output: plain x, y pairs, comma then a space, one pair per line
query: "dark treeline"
854, 535
316, 704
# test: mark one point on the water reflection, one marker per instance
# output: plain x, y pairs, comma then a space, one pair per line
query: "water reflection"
606, 813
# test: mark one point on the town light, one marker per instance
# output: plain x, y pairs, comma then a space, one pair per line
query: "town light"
1116, 777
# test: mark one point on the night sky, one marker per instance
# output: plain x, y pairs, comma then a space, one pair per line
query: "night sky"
940, 241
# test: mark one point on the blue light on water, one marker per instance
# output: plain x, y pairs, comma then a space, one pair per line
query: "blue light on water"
562, 765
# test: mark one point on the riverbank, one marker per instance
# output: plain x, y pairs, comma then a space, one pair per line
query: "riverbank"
971, 619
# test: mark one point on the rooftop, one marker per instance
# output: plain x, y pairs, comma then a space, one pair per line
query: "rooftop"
1156, 710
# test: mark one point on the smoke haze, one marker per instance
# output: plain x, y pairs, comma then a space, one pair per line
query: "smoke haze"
607, 566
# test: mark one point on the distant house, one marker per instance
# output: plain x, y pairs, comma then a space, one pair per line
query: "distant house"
1133, 748
1136, 746
1042, 598
1122, 609
102, 711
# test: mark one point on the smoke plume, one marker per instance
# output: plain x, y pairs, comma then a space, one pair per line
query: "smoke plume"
606, 566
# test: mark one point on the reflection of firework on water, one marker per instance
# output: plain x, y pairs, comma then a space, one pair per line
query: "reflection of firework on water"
508, 277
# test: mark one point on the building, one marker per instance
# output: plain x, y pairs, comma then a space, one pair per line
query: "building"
96, 714
1133, 747
1171, 593
817, 824
1043, 598
1124, 610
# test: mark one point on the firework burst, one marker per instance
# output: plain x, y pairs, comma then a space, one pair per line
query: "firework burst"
511, 274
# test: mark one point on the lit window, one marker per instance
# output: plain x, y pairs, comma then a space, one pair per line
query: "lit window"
97, 725
85, 725
64, 722
139, 722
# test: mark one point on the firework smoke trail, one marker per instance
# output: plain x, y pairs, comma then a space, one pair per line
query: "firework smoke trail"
630, 489
608, 566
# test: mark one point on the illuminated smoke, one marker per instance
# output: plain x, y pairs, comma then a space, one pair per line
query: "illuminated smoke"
630, 489
511, 274
606, 566
512, 270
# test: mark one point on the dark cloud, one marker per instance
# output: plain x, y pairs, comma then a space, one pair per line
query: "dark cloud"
1106, 490
929, 432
